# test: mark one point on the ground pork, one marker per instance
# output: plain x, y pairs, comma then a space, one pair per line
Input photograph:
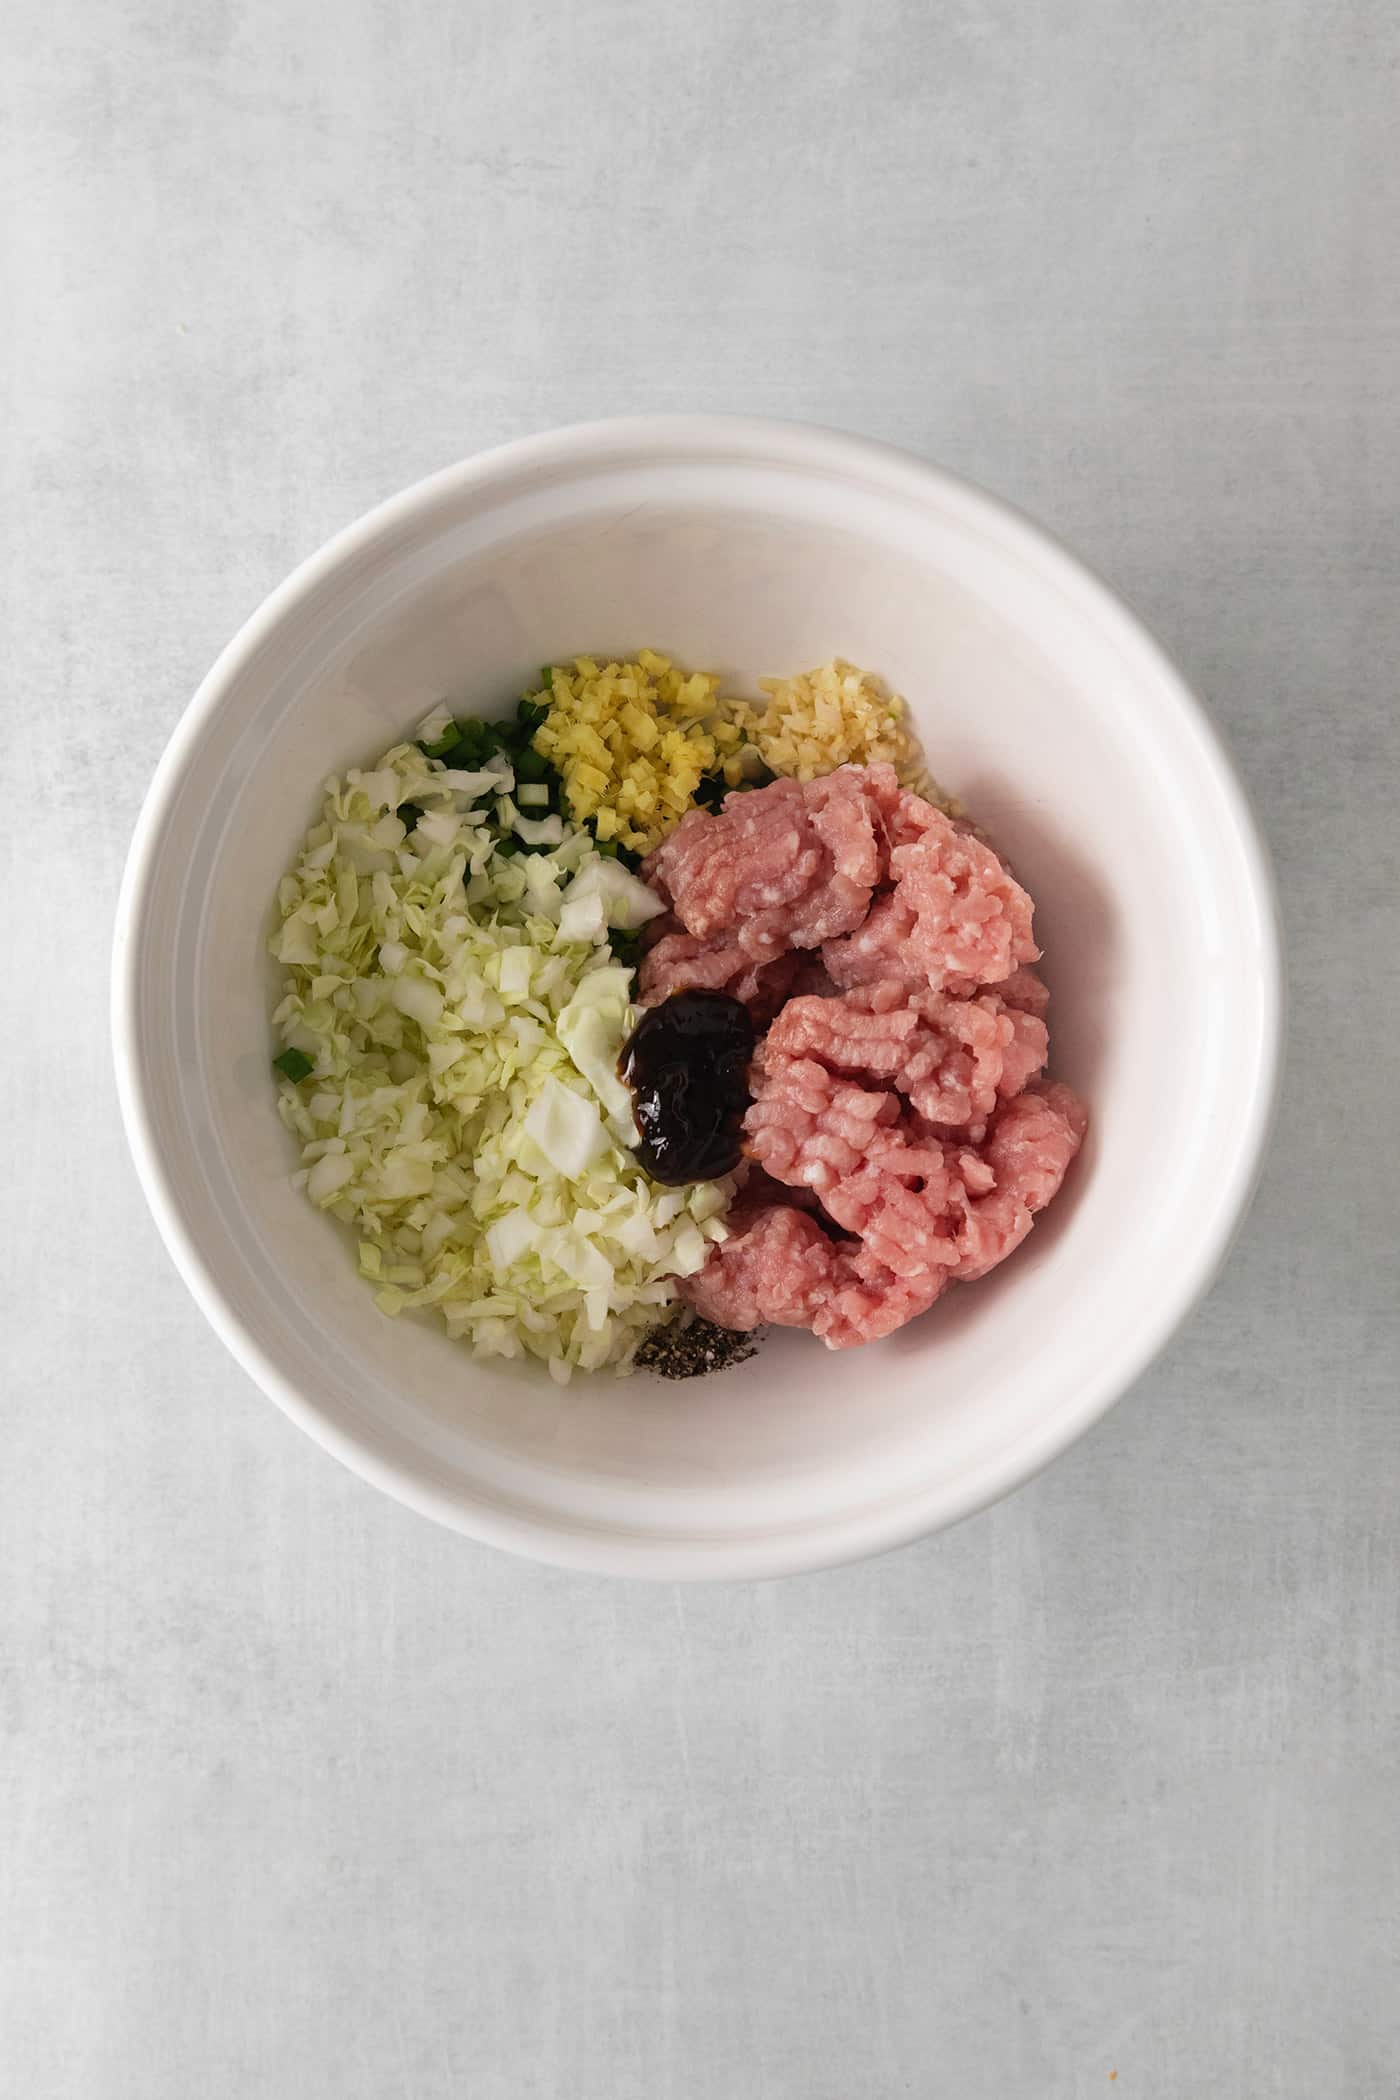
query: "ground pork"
916, 1214
899, 1136
883, 883
869, 1301
779, 1268
1023, 989
949, 1058
954, 911
678, 962
787, 866
1028, 1150
681, 962
920, 1204
776, 1267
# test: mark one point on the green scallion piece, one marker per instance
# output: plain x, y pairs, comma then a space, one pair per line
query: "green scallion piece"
477, 740
293, 1065
449, 740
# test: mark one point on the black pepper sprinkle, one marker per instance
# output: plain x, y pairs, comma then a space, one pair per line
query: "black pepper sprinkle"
689, 1347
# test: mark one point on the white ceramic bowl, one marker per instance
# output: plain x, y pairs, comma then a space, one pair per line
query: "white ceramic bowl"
747, 548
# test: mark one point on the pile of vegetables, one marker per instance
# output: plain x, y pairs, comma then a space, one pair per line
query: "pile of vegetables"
459, 960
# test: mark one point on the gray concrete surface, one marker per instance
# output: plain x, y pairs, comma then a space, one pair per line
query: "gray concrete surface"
1095, 1796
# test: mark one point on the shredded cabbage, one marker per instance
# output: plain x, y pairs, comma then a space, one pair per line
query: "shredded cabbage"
463, 1015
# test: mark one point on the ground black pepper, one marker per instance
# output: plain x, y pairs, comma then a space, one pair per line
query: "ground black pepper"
688, 1347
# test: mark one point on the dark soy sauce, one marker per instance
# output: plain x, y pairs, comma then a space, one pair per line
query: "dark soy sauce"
687, 1063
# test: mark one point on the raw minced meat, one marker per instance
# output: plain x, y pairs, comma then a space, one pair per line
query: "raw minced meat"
881, 881
789, 866
777, 1269
950, 1058
682, 962
900, 1135
913, 1213
1028, 1151
1023, 989
953, 911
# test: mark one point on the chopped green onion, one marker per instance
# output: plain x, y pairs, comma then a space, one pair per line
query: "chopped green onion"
408, 814
626, 946
530, 766
293, 1065
530, 713
478, 740
449, 740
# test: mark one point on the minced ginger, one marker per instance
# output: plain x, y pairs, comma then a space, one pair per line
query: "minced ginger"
632, 742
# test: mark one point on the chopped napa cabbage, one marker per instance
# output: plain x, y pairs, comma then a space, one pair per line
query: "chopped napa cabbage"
540, 831
542, 877
421, 1001
463, 1016
514, 972
510, 1237
469, 786
566, 1128
591, 1027
626, 900
582, 918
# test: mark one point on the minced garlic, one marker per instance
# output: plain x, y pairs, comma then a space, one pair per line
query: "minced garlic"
836, 715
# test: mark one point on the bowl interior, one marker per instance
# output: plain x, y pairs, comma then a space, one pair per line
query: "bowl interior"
1040, 704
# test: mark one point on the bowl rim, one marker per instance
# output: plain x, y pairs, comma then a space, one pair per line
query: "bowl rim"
840, 456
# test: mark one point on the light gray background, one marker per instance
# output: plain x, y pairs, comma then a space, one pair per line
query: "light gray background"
302, 1797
